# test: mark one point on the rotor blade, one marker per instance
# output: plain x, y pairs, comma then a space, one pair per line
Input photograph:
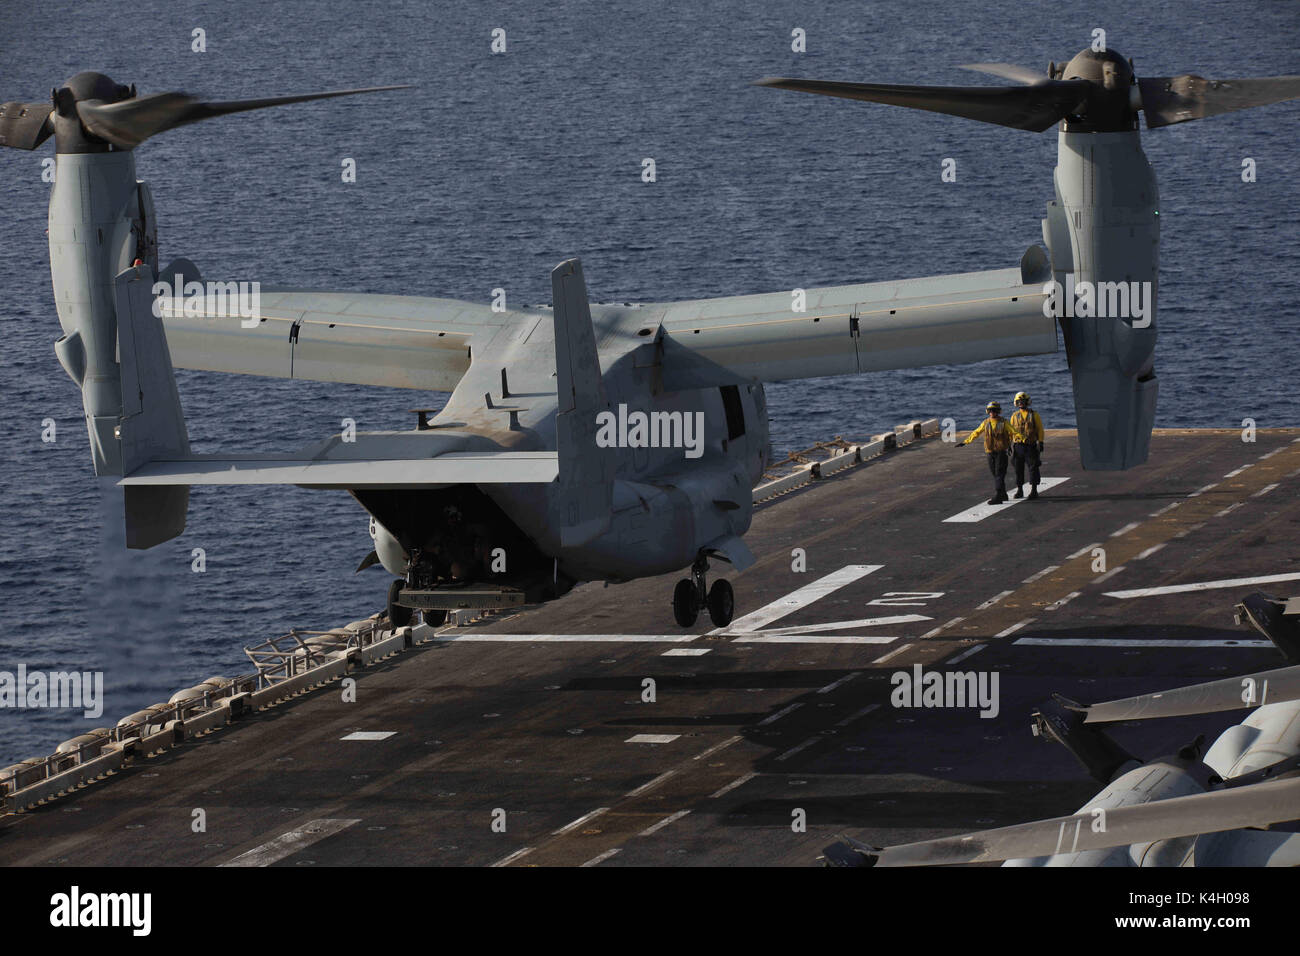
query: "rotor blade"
25, 125
1021, 107
129, 123
1231, 693
1008, 71
1258, 805
1179, 99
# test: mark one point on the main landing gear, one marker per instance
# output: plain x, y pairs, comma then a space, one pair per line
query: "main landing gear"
691, 595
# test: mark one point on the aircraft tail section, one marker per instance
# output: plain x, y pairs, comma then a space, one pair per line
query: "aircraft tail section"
584, 501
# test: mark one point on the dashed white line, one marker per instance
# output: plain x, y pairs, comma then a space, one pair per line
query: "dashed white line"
839, 683
1126, 529
942, 627
1108, 575
716, 747
1265, 490
1167, 508
1201, 491
1013, 628
686, 652
580, 821
773, 718
969, 652
1150, 551
1202, 586
667, 774
651, 738
738, 782
993, 600
856, 714
597, 860
655, 828
507, 860
369, 735
794, 750
1056, 605
1228, 510
1270, 454
894, 653
1237, 471
1084, 550
290, 842
1041, 574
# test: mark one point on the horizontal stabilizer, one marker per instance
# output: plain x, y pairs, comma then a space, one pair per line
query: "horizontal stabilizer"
450, 469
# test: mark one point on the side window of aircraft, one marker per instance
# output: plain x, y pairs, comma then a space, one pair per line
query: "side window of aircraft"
735, 411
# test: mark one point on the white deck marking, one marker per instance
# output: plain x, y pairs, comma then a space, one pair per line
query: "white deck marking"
651, 738
843, 625
1013, 628
1135, 642
1082, 551
686, 652
969, 652
1056, 605
1150, 551
738, 782
1126, 529
1202, 586
1228, 510
1169, 507
597, 860
580, 821
651, 784
566, 638
369, 735
856, 714
1237, 471
891, 654
773, 718
941, 628
839, 683
1200, 491
982, 511
507, 860
817, 639
291, 842
993, 600
797, 599
1041, 574
795, 749
655, 828
1263, 491
1101, 578
716, 747
1270, 454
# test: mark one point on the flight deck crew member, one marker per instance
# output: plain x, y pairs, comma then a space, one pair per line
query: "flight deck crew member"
1026, 444
997, 439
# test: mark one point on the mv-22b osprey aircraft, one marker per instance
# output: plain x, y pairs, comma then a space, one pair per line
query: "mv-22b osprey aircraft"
587, 442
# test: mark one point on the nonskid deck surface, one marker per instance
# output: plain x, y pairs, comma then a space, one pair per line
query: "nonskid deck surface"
540, 719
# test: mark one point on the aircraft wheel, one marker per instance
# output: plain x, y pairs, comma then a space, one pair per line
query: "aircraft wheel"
722, 603
434, 618
685, 606
398, 616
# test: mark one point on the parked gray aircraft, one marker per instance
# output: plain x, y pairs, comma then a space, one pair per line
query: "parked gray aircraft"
604, 442
1195, 807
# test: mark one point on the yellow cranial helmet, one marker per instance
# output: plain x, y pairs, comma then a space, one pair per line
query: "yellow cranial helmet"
993, 407
1022, 399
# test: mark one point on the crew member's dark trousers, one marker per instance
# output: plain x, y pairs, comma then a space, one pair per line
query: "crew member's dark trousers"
1026, 453
998, 468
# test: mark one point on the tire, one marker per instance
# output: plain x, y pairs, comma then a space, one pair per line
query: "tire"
398, 616
685, 608
434, 618
722, 603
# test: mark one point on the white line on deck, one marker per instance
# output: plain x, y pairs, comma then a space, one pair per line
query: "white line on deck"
1013, 628
842, 625
1169, 507
773, 718
993, 600
291, 842
716, 747
567, 638
942, 627
969, 652
1126, 529
1041, 574
655, 828
1084, 550
894, 653
839, 683
982, 511
369, 735
1270, 454
856, 714
794, 750
507, 860
1201, 491
1265, 490
686, 652
650, 784
738, 782
1055, 605
597, 860
1237, 471
1109, 574
651, 738
1134, 642
1228, 510
797, 599
1150, 551
580, 821
1202, 586
817, 639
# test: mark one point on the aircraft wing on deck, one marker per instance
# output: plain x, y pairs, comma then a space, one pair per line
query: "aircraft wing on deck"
392, 340
847, 329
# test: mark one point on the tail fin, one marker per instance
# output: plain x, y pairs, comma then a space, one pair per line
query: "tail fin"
585, 498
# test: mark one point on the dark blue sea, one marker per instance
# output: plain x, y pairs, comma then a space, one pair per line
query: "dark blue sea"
498, 166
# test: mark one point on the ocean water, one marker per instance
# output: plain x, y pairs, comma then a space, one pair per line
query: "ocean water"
498, 166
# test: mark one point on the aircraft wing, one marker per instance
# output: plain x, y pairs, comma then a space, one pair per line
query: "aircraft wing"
392, 340
847, 329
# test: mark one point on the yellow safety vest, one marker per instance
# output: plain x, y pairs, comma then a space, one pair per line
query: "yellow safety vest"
1026, 425
997, 436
